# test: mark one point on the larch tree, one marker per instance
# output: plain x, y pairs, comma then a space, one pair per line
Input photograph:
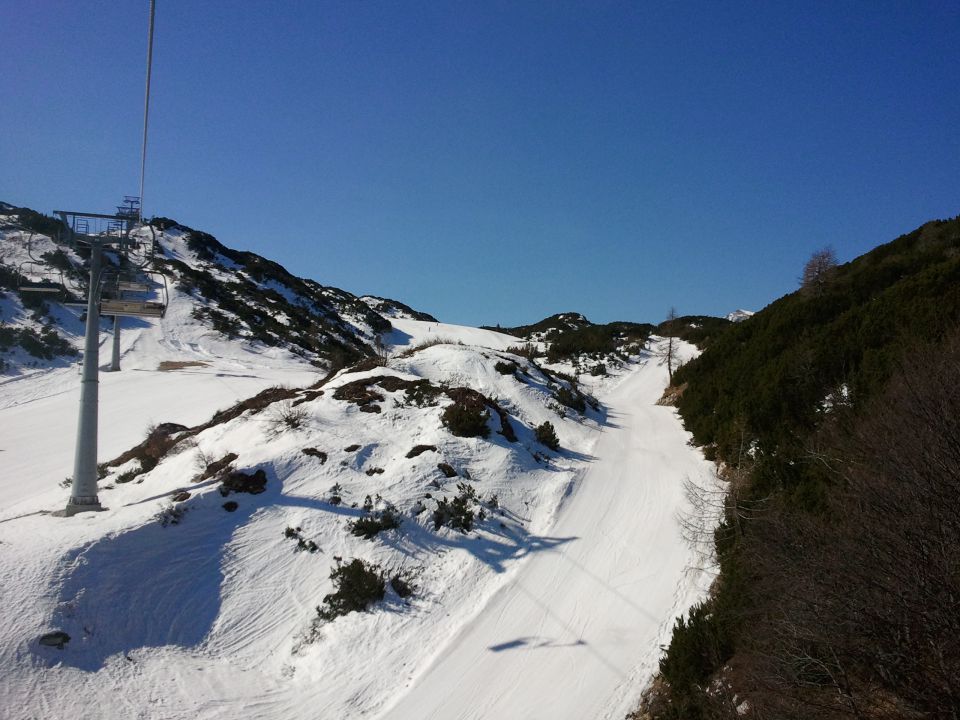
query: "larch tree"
817, 271
671, 349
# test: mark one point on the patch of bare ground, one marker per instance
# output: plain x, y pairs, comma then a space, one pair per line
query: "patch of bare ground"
167, 365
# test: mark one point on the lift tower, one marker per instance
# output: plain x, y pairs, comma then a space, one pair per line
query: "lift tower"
105, 293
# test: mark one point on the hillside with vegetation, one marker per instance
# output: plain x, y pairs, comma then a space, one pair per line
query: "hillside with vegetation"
236, 295
833, 416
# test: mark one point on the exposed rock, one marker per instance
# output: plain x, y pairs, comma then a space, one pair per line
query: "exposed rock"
420, 449
57, 639
217, 466
242, 483
313, 452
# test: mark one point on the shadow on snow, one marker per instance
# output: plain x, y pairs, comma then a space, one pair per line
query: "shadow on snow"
152, 585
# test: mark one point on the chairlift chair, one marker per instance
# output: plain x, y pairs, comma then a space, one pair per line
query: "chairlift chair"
37, 277
127, 297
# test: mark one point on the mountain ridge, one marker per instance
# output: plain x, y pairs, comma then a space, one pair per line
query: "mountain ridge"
238, 294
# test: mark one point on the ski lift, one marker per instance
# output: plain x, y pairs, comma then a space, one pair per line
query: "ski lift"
134, 297
137, 248
132, 286
39, 278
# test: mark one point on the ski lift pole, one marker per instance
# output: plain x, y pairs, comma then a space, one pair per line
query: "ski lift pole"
83, 495
115, 355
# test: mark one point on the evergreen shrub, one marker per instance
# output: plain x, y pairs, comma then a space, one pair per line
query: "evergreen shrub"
358, 585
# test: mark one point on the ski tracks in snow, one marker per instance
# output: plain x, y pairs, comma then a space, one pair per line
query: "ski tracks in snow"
576, 633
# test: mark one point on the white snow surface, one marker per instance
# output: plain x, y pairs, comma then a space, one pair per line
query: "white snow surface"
739, 315
553, 607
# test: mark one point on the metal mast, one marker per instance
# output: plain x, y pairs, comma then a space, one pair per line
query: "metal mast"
83, 496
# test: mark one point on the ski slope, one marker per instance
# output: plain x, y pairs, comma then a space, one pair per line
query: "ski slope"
39, 409
577, 631
554, 609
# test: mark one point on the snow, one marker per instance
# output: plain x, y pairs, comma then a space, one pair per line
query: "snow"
575, 633
739, 315
554, 607
410, 333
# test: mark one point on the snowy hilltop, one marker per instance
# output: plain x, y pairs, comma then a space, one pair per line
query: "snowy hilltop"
216, 296
456, 524
739, 315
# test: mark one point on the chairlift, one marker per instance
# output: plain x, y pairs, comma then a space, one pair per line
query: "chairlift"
140, 246
126, 297
39, 278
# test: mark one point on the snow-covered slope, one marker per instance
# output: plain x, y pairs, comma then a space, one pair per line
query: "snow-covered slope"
183, 609
576, 632
217, 297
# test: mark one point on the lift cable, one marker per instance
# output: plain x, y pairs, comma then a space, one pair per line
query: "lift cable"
146, 106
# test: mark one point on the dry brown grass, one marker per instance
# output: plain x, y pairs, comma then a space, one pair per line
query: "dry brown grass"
167, 365
427, 344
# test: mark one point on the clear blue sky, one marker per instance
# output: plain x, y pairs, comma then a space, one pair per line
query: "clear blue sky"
500, 161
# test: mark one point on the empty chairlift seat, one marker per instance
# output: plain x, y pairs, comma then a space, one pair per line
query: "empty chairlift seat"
132, 308
134, 297
36, 277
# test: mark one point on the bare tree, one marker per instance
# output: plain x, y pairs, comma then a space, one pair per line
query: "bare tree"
381, 352
818, 270
671, 349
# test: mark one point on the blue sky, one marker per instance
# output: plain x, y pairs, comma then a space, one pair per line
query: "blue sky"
500, 161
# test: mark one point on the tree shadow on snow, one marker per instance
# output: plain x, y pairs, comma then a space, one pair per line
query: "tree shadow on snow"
498, 544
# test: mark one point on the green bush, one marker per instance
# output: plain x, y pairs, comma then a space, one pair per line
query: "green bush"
336, 494
595, 340
358, 584
547, 435
505, 368
38, 222
46, 344
457, 513
402, 586
697, 648
466, 419
369, 526
571, 398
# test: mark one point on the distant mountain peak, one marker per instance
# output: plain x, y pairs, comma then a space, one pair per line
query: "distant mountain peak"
739, 315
